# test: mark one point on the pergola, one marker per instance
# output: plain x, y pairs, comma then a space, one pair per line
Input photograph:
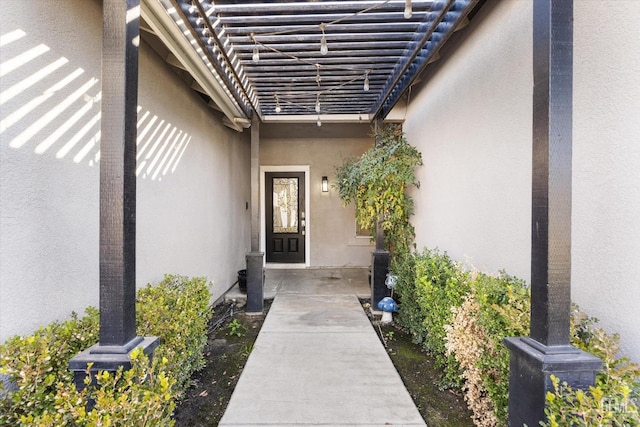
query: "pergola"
302, 61
332, 61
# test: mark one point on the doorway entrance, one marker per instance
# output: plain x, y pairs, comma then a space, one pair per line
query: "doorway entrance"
285, 216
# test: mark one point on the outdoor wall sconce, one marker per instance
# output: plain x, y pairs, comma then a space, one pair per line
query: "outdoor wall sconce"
325, 184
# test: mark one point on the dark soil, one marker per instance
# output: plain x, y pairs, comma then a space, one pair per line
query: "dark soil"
442, 408
231, 342
228, 347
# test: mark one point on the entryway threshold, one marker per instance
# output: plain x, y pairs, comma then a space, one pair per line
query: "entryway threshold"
276, 266
318, 360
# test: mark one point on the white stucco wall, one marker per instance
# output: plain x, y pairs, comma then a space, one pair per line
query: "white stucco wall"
472, 123
331, 225
606, 166
192, 186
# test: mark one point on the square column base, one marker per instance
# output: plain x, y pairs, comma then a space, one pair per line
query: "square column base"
379, 270
531, 366
108, 358
255, 282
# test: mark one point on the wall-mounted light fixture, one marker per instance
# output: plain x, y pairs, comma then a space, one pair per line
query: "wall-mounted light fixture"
325, 184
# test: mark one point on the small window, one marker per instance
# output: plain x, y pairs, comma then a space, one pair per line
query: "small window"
362, 233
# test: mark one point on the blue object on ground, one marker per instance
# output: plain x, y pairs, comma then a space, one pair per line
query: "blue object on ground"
388, 304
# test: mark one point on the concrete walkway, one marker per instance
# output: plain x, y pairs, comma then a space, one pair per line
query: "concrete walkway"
318, 361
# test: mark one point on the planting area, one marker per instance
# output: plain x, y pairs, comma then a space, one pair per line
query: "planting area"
445, 343
228, 346
438, 407
230, 343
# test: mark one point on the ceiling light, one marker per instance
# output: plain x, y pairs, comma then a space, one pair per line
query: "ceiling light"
278, 108
256, 52
324, 49
408, 10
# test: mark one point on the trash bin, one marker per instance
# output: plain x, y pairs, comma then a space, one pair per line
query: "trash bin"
242, 281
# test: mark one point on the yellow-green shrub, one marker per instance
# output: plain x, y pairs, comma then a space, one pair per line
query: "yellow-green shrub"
412, 313
428, 287
140, 396
378, 182
469, 315
613, 400
36, 363
176, 310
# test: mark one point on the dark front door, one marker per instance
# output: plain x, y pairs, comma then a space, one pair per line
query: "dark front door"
285, 216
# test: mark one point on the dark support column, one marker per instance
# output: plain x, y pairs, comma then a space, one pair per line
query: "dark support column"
380, 258
120, 37
548, 351
552, 152
255, 183
255, 283
379, 269
255, 258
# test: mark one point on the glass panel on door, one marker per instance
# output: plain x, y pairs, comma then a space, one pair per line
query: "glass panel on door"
285, 205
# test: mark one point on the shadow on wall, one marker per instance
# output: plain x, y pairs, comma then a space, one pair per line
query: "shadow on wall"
53, 107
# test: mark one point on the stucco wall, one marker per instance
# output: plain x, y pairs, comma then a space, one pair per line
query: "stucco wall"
193, 219
193, 171
473, 121
606, 166
332, 226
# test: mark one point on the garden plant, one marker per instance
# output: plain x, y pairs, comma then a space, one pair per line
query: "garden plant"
40, 389
461, 318
378, 183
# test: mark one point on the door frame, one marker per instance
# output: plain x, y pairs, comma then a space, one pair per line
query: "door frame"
263, 223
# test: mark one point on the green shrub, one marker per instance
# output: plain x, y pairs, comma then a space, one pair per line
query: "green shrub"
441, 284
378, 182
411, 313
140, 396
462, 319
613, 400
35, 364
176, 310
430, 285
505, 307
499, 307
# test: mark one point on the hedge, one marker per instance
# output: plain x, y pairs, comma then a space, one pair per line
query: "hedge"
176, 310
461, 318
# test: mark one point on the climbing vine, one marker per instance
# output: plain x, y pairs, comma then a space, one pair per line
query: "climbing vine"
378, 183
